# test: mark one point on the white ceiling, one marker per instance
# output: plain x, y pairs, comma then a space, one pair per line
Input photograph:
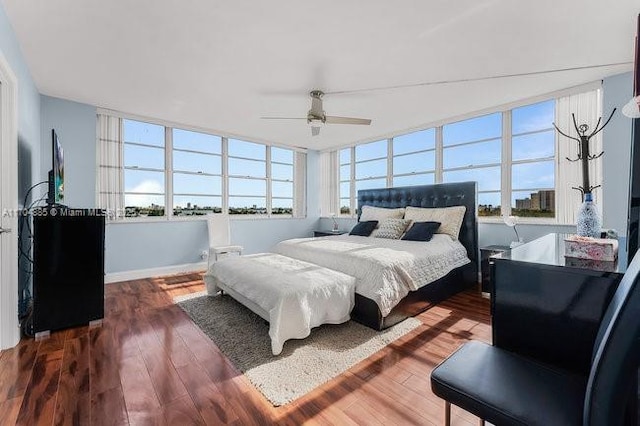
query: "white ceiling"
222, 65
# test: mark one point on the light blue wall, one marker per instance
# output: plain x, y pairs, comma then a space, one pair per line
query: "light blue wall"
28, 109
75, 125
28, 135
617, 91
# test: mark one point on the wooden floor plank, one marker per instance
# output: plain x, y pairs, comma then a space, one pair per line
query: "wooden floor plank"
38, 404
73, 402
165, 379
137, 387
210, 402
182, 412
16, 367
9, 411
150, 364
108, 408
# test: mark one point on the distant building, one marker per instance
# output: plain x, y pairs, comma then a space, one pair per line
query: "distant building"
544, 200
523, 204
547, 200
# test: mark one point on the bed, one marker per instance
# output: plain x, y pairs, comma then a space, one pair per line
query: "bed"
293, 296
392, 279
458, 275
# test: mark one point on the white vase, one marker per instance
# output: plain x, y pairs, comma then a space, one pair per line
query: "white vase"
588, 223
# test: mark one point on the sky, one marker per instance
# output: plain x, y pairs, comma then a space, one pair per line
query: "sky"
472, 151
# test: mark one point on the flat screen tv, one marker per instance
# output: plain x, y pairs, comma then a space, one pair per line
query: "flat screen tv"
56, 175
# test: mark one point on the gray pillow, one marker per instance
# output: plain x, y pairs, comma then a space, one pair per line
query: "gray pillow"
391, 228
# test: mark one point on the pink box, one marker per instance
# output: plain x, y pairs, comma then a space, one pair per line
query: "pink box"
591, 248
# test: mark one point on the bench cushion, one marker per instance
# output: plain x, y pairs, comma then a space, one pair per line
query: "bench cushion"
294, 295
506, 389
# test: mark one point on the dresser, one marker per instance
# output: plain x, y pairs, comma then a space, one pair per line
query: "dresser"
549, 307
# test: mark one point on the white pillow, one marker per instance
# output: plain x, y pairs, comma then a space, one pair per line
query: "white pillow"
450, 218
379, 213
391, 228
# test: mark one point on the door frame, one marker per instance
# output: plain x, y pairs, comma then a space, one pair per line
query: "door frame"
9, 326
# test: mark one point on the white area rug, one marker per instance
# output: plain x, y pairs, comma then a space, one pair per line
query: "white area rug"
303, 364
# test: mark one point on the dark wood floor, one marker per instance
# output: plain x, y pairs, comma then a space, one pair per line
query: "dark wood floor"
149, 364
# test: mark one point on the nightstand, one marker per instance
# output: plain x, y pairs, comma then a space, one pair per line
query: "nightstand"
327, 233
485, 254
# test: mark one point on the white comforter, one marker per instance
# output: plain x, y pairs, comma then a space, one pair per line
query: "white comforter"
294, 296
386, 270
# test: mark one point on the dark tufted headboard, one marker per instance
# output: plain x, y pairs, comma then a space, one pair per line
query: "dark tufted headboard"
438, 195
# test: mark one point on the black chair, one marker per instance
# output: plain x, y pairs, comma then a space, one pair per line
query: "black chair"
508, 389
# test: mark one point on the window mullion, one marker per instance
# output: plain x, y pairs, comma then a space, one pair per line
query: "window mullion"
389, 162
225, 175
352, 187
507, 150
269, 189
168, 165
439, 155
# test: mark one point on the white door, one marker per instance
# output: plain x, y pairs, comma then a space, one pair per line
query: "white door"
9, 331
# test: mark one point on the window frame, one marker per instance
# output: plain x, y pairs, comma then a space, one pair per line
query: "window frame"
505, 165
162, 148
172, 172
272, 179
531, 160
169, 171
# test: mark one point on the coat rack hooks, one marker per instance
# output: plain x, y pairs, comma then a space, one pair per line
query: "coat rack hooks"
583, 149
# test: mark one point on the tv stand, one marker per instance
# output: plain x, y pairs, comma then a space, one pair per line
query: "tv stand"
68, 268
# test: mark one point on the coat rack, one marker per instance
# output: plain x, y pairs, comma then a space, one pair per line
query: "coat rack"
583, 150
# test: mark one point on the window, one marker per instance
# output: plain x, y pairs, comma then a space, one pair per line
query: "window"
145, 167
533, 160
414, 158
144, 189
511, 154
281, 181
247, 177
472, 150
371, 165
197, 173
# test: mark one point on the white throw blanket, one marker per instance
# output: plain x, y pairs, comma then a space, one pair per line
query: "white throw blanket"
386, 270
294, 295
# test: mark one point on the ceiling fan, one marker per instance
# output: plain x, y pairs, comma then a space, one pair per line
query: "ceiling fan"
316, 116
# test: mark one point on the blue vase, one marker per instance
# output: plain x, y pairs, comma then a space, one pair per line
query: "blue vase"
588, 223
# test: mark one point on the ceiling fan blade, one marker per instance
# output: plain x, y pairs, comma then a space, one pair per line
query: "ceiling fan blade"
315, 131
347, 120
283, 118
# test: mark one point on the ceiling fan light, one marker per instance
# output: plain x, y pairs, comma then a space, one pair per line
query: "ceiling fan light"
632, 108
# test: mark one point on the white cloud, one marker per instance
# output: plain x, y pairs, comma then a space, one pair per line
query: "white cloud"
143, 199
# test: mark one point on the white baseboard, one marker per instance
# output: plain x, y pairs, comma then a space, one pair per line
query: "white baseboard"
138, 274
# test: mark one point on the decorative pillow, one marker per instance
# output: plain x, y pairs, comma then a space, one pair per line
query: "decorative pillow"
364, 229
391, 228
379, 213
421, 231
450, 218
